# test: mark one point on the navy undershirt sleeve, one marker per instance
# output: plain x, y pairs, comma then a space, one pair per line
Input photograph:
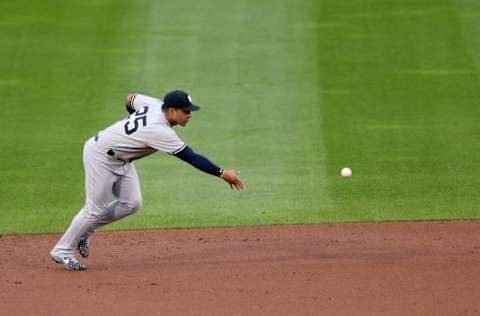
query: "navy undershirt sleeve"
198, 161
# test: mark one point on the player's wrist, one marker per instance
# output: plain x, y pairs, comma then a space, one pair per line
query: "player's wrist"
228, 175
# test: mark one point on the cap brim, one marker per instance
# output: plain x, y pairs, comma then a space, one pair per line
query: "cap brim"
192, 108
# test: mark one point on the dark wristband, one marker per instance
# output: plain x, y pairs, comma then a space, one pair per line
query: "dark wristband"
129, 105
130, 110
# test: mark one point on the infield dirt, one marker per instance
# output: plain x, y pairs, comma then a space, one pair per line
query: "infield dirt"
425, 268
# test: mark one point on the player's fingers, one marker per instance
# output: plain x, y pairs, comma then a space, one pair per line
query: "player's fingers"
239, 185
231, 185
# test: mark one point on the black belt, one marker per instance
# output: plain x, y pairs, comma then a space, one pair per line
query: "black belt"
112, 154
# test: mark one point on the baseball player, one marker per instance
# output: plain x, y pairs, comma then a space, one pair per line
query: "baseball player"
108, 162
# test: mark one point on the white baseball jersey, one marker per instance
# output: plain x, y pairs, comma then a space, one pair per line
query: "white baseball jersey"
142, 133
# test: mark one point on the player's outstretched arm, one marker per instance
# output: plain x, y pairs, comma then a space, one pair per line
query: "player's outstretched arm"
202, 163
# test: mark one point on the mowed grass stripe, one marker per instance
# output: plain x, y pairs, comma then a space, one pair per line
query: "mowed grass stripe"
403, 114
262, 116
64, 59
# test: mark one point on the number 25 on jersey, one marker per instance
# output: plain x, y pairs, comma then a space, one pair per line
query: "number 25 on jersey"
137, 117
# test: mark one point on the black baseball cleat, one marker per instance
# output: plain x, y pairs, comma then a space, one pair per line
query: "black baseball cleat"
84, 246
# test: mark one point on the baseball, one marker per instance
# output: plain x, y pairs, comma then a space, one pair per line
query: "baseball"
346, 172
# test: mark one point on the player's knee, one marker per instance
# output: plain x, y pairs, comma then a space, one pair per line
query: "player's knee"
134, 205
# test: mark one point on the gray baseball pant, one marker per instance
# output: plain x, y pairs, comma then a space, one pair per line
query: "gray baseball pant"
104, 176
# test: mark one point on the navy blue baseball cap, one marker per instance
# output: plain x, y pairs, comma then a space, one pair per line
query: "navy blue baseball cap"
179, 100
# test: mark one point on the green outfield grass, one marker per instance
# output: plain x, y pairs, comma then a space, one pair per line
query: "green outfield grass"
291, 92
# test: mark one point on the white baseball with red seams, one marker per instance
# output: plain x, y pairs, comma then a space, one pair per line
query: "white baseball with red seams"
346, 172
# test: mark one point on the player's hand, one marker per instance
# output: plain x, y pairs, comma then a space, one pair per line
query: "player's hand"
233, 179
